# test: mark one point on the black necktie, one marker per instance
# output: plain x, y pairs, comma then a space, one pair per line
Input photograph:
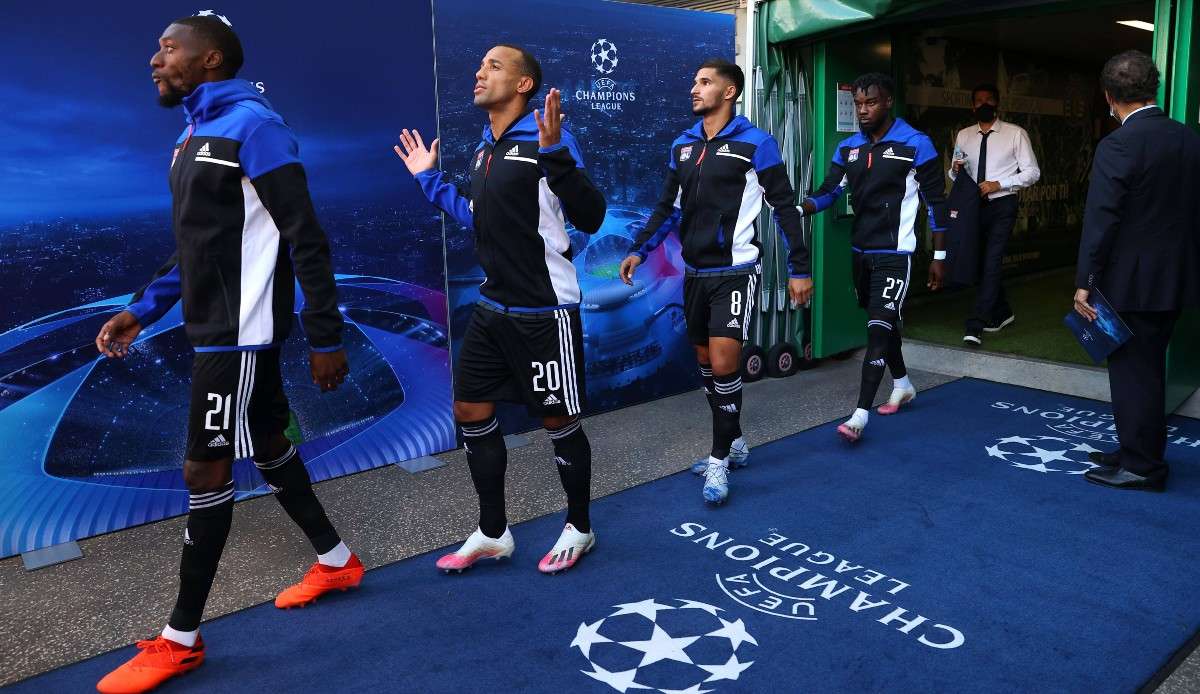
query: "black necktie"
981, 174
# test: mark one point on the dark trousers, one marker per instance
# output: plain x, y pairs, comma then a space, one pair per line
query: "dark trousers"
996, 219
1137, 375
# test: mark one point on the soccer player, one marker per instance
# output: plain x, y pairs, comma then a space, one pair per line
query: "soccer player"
889, 167
245, 230
524, 342
719, 171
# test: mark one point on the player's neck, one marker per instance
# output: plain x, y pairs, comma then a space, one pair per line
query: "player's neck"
716, 121
504, 115
877, 134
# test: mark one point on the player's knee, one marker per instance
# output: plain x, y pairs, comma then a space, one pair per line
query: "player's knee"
559, 422
473, 411
201, 477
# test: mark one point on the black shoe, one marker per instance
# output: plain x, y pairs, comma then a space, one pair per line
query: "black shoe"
1103, 460
973, 337
999, 325
1120, 478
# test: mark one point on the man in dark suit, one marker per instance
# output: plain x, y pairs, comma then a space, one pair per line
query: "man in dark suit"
1140, 249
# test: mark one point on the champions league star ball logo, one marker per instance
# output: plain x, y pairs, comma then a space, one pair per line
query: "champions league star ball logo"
604, 56
1044, 454
681, 647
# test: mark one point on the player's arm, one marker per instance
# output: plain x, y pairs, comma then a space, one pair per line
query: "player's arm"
560, 157
149, 303
832, 189
932, 185
655, 230
422, 164
270, 159
778, 193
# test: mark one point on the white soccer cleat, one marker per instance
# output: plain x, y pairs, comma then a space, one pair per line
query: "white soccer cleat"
716, 482
571, 545
739, 456
478, 546
898, 398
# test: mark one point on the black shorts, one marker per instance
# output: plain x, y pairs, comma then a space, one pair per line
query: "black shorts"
238, 406
881, 282
718, 306
530, 358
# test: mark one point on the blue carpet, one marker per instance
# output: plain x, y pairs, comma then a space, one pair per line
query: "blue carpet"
957, 548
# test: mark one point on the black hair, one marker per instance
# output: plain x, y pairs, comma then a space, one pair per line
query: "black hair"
530, 67
989, 88
1130, 77
729, 71
219, 36
874, 79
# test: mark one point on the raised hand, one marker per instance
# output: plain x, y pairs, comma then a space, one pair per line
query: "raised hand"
549, 121
414, 155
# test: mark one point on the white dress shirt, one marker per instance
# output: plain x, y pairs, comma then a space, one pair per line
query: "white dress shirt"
1010, 158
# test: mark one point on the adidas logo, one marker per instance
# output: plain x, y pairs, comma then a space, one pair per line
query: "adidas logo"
730, 408
891, 306
514, 151
561, 462
724, 149
551, 400
187, 538
889, 153
204, 151
733, 324
273, 488
219, 441
878, 362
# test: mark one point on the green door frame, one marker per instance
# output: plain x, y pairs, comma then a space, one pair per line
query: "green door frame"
1178, 56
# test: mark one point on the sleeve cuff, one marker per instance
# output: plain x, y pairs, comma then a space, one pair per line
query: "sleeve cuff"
138, 312
553, 148
323, 350
640, 254
800, 277
427, 173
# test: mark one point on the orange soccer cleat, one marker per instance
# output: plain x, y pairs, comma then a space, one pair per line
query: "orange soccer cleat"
320, 580
158, 660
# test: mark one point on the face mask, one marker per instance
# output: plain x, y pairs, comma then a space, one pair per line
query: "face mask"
986, 113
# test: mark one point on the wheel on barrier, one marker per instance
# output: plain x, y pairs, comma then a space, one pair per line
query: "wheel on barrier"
753, 363
782, 361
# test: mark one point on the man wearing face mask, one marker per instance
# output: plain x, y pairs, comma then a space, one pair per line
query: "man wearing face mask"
1141, 249
997, 155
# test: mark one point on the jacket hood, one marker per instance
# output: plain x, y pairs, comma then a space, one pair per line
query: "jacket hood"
739, 124
210, 99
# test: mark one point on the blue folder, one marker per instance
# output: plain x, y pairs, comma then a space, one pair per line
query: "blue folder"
1104, 335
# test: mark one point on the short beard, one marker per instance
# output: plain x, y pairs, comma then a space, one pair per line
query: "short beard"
701, 110
172, 97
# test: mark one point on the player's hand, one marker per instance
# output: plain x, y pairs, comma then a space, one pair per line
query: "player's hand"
329, 369
628, 267
801, 290
987, 188
1082, 307
937, 275
807, 208
117, 335
957, 165
414, 155
549, 121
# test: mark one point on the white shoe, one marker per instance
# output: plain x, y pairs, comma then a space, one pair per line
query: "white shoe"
899, 397
571, 545
716, 481
739, 456
478, 546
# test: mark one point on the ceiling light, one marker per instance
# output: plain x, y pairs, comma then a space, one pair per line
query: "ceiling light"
1137, 24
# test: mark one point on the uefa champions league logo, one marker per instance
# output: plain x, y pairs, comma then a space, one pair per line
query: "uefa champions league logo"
679, 647
604, 56
1044, 454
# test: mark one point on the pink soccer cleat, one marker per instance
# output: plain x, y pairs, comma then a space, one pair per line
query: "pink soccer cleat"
898, 398
478, 546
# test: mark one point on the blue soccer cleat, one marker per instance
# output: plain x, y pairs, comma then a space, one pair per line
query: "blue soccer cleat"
716, 482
